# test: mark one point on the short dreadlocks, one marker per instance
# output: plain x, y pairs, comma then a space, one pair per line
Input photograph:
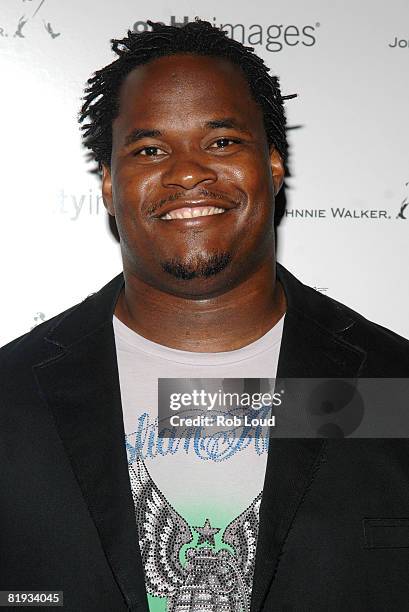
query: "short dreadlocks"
101, 100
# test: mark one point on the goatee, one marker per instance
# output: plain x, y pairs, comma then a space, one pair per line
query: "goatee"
198, 267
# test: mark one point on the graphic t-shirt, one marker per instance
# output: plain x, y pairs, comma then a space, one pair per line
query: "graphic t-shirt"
196, 497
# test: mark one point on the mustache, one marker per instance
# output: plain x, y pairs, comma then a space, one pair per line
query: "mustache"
204, 193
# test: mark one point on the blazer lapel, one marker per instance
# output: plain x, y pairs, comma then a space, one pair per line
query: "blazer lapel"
81, 386
309, 349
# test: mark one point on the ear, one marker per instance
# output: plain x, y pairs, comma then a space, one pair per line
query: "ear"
107, 189
277, 169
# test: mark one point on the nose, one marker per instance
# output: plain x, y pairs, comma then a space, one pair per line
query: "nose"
187, 172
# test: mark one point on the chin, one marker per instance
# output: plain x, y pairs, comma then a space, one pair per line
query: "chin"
200, 267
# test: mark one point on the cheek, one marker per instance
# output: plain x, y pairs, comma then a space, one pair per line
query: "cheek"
257, 181
133, 191
252, 174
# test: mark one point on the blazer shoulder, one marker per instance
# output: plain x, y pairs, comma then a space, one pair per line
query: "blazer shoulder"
30, 346
65, 328
387, 352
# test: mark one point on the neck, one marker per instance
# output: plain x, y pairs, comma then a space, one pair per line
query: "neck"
223, 323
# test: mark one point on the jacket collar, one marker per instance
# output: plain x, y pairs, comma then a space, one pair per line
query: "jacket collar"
312, 346
81, 386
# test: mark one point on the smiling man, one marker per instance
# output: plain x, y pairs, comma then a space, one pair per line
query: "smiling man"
188, 130
191, 182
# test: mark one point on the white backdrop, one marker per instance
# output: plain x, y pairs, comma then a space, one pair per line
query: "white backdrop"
348, 62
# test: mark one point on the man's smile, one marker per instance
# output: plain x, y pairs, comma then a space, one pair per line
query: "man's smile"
194, 208
191, 213
195, 216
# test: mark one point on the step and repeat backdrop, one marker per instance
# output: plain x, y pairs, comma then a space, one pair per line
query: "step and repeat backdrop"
345, 229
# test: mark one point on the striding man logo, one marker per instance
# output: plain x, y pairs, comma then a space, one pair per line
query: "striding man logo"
403, 206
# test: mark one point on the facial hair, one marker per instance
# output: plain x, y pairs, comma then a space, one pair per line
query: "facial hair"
198, 267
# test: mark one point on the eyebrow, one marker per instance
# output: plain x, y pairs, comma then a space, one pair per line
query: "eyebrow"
139, 133
215, 124
226, 122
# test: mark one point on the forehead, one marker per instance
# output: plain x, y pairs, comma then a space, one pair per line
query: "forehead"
183, 88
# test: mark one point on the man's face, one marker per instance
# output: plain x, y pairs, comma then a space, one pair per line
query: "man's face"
189, 138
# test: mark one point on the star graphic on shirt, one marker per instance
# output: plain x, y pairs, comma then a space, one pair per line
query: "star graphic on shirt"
206, 533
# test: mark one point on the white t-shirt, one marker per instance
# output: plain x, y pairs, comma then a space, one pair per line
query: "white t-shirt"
196, 501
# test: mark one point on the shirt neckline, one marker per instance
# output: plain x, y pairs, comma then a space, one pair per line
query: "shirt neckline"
129, 340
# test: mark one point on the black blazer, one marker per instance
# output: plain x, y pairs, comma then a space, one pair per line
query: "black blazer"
334, 518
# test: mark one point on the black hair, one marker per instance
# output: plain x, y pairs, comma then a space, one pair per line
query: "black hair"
101, 100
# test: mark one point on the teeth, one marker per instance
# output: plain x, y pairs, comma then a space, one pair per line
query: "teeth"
193, 212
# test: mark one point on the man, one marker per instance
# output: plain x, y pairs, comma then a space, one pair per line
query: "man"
188, 129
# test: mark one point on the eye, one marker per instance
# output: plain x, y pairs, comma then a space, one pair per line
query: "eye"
150, 152
223, 143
